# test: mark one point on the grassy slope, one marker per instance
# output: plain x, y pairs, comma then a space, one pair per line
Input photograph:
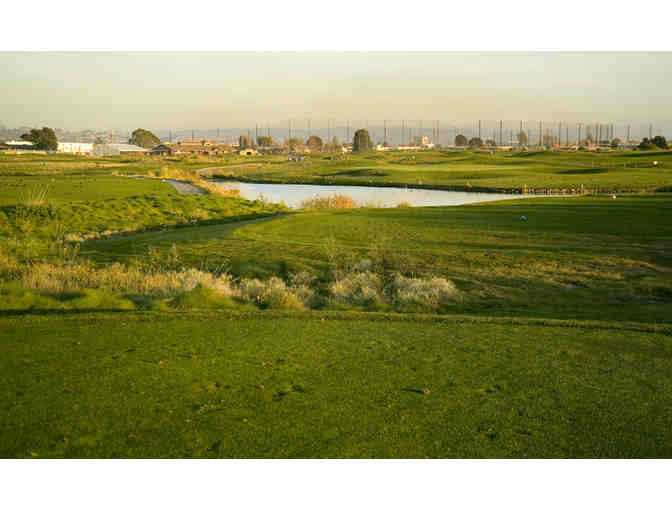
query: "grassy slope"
212, 386
587, 257
99, 204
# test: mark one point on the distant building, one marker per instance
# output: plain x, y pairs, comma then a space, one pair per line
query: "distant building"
249, 151
192, 147
118, 149
162, 150
75, 147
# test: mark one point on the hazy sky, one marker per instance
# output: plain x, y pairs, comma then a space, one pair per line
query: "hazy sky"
206, 90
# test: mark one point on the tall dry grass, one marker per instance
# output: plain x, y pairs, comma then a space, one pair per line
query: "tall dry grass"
336, 201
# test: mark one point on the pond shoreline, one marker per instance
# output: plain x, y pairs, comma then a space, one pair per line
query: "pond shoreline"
523, 191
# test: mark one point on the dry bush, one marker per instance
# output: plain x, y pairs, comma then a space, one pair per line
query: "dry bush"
357, 289
433, 291
403, 204
335, 201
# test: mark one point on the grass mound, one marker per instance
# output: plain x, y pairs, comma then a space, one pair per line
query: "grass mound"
15, 298
201, 298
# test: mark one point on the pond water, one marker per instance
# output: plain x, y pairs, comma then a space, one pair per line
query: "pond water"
294, 194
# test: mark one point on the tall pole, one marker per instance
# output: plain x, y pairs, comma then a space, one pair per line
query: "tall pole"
628, 140
500, 133
385, 133
479, 128
578, 141
650, 131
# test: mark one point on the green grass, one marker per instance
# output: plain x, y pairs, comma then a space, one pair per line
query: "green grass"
582, 257
217, 386
559, 345
81, 207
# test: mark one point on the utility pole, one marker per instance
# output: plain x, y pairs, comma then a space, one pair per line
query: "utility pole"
479, 128
559, 133
256, 134
541, 136
628, 140
500, 133
650, 131
385, 133
578, 141
567, 136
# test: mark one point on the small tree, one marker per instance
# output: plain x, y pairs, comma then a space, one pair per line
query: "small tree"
490, 142
362, 141
476, 142
43, 139
659, 141
522, 138
461, 141
314, 143
615, 143
144, 138
265, 141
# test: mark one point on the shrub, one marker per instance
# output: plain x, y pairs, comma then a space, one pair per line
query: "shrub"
357, 289
431, 293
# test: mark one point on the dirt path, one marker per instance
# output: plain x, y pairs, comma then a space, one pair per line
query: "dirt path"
184, 188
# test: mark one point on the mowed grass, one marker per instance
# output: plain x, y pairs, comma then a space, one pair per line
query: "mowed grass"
581, 257
215, 386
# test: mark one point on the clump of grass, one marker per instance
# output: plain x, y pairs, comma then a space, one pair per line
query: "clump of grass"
403, 204
35, 195
336, 201
424, 294
273, 294
358, 289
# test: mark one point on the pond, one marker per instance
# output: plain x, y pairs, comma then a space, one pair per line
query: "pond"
294, 194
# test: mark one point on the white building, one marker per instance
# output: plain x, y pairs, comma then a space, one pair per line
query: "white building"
19, 143
117, 149
75, 147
